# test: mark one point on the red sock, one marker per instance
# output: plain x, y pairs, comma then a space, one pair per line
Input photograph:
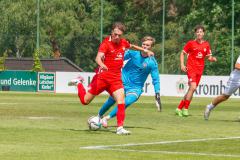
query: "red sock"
81, 93
181, 104
120, 114
187, 103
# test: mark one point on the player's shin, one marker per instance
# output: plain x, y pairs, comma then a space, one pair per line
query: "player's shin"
105, 107
129, 99
81, 93
120, 114
181, 104
187, 103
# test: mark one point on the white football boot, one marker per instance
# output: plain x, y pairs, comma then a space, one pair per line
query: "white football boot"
207, 112
122, 131
76, 81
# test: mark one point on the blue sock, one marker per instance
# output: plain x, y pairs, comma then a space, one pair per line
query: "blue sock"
129, 99
105, 107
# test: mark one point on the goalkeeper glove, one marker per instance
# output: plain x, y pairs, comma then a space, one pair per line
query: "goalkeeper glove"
158, 102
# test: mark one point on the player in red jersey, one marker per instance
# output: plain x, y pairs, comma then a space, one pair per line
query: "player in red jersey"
108, 75
196, 51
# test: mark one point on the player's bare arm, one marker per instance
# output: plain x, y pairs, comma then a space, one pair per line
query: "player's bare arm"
183, 67
212, 59
99, 60
237, 66
149, 53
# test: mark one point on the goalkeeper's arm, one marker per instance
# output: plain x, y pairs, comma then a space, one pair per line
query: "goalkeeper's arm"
158, 102
148, 52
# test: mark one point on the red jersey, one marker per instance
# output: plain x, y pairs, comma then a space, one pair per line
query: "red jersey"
196, 54
114, 53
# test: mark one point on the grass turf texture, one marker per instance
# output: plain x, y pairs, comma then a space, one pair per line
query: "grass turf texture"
53, 126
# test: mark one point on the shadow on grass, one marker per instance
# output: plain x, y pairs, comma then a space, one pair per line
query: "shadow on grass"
110, 129
225, 120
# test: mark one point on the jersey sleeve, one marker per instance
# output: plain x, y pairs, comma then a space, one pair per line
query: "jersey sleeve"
187, 47
103, 47
155, 76
209, 52
126, 43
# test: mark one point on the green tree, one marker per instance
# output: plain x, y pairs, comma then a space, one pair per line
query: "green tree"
2, 60
75, 28
37, 65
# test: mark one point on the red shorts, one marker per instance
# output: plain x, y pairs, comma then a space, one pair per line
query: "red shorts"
194, 77
106, 82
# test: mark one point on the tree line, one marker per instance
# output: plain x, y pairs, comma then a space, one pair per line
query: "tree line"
73, 28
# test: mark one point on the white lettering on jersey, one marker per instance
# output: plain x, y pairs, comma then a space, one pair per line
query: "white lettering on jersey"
119, 56
200, 55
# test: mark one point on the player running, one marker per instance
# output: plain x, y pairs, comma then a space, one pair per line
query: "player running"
108, 75
134, 75
232, 85
196, 51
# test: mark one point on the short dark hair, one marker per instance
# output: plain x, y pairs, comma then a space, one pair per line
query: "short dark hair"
119, 25
199, 26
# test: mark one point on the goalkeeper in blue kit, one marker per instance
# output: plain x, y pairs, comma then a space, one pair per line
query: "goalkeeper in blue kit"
134, 75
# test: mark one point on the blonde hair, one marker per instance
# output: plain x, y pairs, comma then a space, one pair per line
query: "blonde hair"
148, 38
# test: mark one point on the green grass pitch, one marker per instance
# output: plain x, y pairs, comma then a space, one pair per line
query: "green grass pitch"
48, 126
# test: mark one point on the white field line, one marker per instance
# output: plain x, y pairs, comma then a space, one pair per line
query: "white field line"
162, 142
41, 118
7, 103
77, 102
177, 153
110, 147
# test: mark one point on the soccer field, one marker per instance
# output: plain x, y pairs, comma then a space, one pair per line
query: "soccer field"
49, 126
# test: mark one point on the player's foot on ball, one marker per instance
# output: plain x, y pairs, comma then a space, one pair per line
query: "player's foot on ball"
185, 112
122, 131
75, 81
207, 113
104, 122
179, 112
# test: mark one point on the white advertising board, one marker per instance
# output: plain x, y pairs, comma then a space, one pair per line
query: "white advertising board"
171, 85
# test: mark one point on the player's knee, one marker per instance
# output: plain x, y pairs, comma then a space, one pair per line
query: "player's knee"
225, 97
88, 98
130, 99
85, 102
193, 88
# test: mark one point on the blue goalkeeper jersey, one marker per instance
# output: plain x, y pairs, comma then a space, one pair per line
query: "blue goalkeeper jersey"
137, 69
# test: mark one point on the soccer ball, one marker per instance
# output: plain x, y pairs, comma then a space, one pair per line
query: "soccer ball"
94, 123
